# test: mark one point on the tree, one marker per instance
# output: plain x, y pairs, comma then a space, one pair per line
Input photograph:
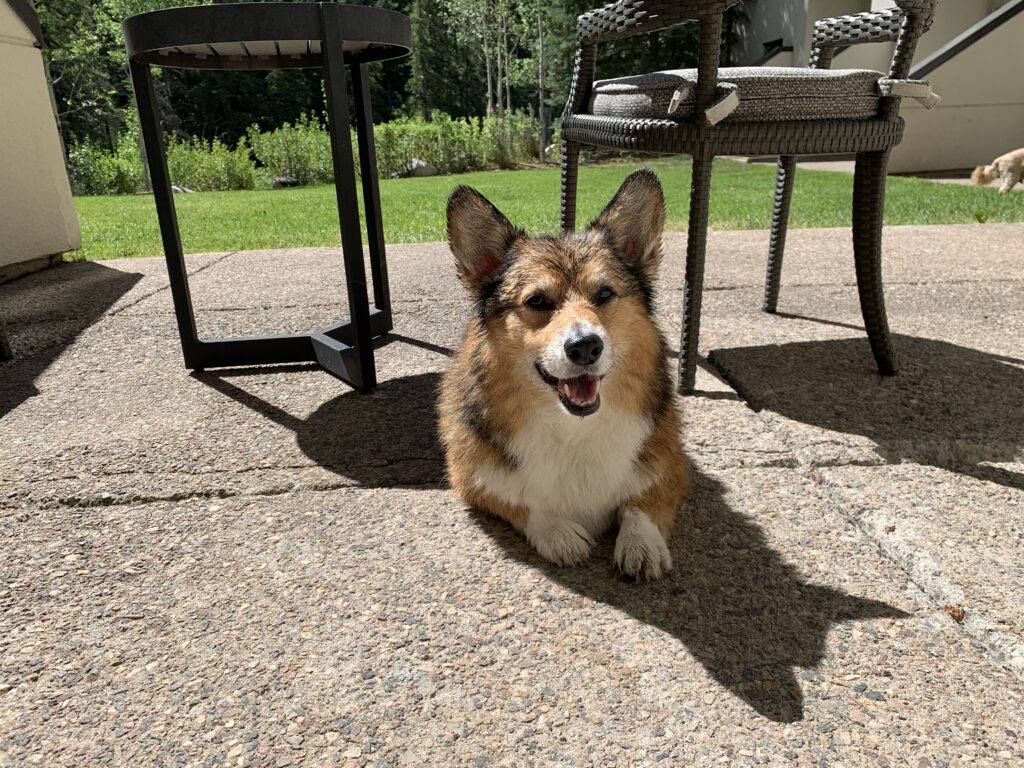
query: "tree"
444, 71
469, 57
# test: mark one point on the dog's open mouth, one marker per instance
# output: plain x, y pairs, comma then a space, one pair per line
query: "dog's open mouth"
581, 395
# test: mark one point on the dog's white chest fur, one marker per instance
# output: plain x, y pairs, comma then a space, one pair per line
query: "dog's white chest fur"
572, 469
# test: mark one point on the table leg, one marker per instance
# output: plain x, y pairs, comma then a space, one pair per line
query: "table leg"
364, 377
371, 192
152, 136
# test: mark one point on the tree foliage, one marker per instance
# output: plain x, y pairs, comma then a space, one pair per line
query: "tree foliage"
470, 58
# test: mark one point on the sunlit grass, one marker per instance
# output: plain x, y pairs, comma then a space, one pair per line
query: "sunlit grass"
413, 209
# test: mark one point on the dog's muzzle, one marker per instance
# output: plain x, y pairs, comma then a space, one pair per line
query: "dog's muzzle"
579, 395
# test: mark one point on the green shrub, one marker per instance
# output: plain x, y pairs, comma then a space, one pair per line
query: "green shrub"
207, 166
455, 145
93, 171
301, 150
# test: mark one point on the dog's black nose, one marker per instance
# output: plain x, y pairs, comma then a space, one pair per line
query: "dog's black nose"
584, 350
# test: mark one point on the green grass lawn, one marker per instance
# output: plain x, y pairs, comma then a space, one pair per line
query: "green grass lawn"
121, 226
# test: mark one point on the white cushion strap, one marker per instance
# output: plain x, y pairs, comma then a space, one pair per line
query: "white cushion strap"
728, 100
681, 95
919, 90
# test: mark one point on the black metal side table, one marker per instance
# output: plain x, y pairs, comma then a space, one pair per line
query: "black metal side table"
271, 36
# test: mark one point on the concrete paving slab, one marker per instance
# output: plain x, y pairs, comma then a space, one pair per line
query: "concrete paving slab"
947, 429
136, 426
424, 271
389, 627
913, 254
338, 606
71, 290
970, 561
148, 430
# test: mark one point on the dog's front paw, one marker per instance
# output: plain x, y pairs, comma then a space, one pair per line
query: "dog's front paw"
561, 541
640, 549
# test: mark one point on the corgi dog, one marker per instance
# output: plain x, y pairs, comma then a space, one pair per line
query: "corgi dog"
558, 414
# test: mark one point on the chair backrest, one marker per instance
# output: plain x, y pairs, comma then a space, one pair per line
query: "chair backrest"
918, 20
903, 25
625, 18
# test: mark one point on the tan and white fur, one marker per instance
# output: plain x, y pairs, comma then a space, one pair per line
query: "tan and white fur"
558, 414
1008, 169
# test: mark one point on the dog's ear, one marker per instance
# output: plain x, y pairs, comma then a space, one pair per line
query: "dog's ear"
635, 219
478, 234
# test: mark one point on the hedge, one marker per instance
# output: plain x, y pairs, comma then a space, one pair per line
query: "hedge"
302, 151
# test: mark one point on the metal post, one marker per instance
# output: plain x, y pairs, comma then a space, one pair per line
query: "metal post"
371, 191
152, 135
345, 187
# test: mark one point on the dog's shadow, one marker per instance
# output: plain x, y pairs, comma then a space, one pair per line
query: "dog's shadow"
739, 608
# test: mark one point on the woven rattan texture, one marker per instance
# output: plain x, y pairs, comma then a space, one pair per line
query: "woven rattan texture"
634, 17
766, 93
869, 139
784, 177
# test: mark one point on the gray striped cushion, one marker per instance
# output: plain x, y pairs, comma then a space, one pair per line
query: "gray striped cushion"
766, 93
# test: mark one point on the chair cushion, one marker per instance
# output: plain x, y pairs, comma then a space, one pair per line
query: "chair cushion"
765, 93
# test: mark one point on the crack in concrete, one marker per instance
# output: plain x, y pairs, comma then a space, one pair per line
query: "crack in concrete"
106, 498
1002, 649
167, 287
851, 284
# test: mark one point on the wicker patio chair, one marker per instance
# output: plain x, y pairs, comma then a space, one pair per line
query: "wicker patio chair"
751, 111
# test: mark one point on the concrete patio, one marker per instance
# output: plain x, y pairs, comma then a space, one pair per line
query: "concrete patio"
263, 568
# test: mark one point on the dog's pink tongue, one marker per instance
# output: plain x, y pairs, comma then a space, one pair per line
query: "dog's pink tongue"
583, 389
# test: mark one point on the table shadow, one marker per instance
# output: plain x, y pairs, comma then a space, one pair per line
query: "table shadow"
385, 439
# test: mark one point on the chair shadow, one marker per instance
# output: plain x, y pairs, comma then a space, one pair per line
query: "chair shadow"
949, 406
736, 605
45, 312
733, 601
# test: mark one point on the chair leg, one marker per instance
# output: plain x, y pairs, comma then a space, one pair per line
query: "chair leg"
780, 222
696, 247
868, 209
570, 172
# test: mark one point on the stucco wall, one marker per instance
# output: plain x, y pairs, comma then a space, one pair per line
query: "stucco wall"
769, 20
37, 217
982, 111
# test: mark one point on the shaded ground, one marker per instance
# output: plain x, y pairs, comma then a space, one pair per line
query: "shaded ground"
264, 568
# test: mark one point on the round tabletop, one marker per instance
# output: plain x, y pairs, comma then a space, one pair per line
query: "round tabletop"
262, 35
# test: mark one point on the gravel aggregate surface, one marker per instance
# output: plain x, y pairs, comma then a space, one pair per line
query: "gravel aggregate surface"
263, 568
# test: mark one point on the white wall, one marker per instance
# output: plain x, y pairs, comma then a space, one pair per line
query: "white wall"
37, 217
982, 111
769, 20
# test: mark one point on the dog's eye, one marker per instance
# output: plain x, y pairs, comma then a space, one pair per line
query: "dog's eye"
538, 301
604, 295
